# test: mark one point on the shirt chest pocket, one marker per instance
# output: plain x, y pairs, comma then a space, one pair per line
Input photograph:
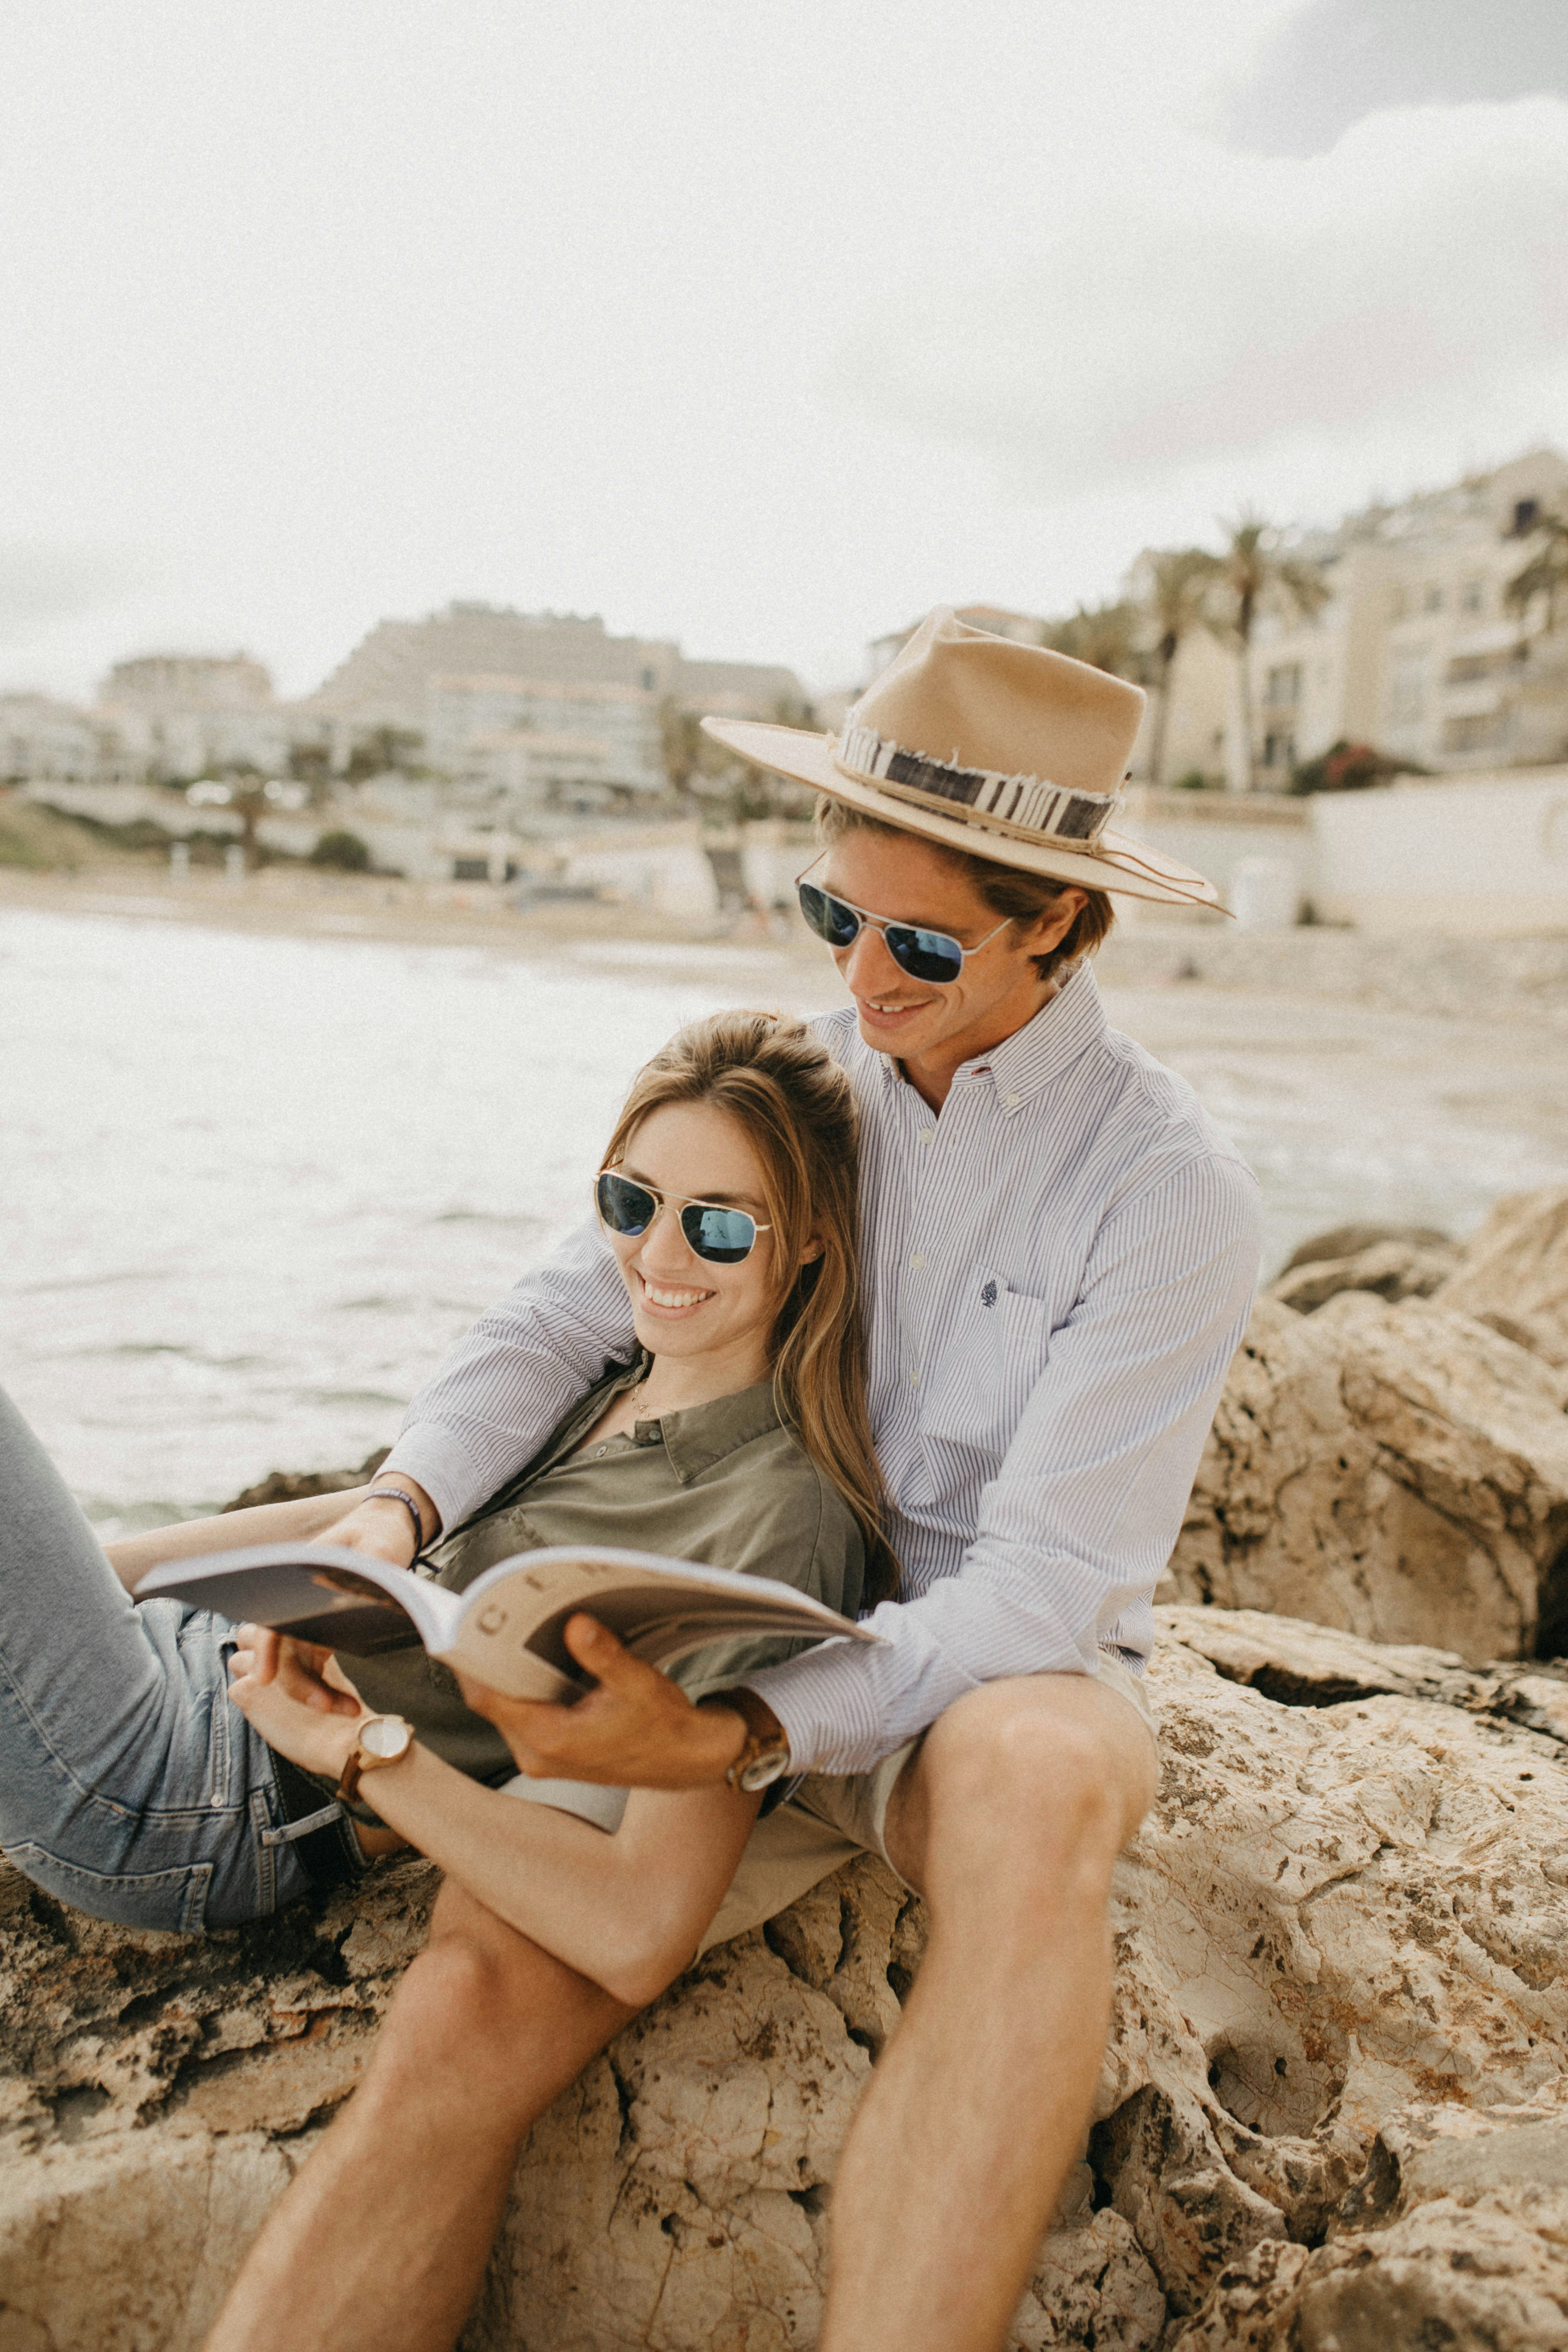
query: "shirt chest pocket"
983, 1365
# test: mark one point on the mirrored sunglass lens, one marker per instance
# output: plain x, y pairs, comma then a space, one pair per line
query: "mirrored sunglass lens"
625, 1207
723, 1236
924, 955
830, 918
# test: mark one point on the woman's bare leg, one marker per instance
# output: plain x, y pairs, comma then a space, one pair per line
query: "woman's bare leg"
380, 2242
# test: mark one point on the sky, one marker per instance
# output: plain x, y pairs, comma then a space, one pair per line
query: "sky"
762, 329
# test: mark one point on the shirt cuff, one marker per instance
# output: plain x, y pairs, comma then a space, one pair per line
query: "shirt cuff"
437, 1459
828, 1710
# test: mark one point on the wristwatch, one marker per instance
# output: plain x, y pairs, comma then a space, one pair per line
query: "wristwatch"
764, 1759
383, 1739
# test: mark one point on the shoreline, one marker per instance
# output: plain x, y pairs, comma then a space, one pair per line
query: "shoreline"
1441, 976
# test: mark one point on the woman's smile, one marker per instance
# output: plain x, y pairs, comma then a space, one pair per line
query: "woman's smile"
664, 1298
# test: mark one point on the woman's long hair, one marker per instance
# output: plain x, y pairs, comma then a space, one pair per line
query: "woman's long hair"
794, 1106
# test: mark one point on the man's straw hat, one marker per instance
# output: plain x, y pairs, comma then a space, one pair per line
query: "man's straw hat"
1008, 751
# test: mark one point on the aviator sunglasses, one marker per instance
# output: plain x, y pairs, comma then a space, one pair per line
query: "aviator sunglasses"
722, 1236
925, 955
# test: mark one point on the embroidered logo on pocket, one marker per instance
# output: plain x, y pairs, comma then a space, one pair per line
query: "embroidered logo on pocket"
988, 1296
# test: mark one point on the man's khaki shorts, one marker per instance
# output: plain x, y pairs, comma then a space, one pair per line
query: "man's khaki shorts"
831, 1818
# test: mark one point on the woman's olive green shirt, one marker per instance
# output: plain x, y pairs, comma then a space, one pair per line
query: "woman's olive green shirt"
724, 1483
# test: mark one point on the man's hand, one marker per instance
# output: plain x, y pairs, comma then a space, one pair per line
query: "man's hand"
637, 1730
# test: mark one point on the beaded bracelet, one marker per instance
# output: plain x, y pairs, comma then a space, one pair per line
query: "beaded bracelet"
396, 1494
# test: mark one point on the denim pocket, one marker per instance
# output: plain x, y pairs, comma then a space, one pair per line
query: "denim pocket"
174, 1899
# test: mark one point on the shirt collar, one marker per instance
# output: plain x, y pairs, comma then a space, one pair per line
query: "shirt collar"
704, 1434
1034, 1057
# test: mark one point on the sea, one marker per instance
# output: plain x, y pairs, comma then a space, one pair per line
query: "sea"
253, 1186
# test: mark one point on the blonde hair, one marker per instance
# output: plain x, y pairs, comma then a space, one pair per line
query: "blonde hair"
795, 1107
1005, 889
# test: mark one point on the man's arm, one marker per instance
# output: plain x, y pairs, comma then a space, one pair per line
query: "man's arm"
1082, 1515
507, 1382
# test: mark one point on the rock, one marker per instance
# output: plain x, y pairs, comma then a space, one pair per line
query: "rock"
1455, 2236
289, 1486
1351, 1241
1514, 1273
1394, 1269
1399, 1471
1336, 2060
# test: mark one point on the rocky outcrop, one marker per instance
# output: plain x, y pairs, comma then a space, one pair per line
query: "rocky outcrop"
1400, 1471
1389, 1269
1331, 2110
290, 1485
1514, 1273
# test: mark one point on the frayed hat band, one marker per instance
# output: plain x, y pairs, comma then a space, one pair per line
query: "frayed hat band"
1028, 807
991, 803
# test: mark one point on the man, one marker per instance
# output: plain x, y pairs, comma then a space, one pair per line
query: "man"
1060, 1258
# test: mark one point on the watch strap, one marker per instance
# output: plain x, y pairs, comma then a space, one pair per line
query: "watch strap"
764, 1757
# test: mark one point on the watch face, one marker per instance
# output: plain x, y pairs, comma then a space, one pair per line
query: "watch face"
765, 1769
385, 1736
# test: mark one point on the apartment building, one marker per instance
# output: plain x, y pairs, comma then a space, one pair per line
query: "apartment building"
182, 715
535, 708
1418, 651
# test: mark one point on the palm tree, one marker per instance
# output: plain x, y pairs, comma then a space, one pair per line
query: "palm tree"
1546, 573
1104, 636
1251, 574
1180, 579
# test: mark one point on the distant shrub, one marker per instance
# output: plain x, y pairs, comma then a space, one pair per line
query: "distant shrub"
38, 840
343, 850
1195, 781
1347, 767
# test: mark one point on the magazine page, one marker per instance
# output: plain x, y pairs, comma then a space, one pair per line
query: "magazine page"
348, 1600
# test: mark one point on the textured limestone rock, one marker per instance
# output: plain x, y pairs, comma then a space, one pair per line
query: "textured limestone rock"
1514, 1273
1457, 2236
1333, 2100
1352, 1241
1400, 1471
1390, 1269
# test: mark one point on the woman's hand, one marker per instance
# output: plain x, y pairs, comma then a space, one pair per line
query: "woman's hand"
638, 1729
319, 1736
376, 1525
381, 1525
303, 1671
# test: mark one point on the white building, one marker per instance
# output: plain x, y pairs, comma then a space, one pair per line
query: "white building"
46, 741
1417, 652
180, 716
534, 707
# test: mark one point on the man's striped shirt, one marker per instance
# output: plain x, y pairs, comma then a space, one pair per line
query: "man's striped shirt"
1058, 1267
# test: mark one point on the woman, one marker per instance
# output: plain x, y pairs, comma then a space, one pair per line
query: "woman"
133, 1789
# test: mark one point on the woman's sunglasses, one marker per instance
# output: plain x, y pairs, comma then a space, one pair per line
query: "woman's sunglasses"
924, 955
722, 1236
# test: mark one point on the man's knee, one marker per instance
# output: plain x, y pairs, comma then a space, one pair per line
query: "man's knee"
1049, 1766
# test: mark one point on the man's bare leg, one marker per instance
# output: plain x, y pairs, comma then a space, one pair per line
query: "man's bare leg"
380, 2240
1010, 1817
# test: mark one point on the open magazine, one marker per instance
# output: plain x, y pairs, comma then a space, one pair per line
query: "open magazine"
507, 1628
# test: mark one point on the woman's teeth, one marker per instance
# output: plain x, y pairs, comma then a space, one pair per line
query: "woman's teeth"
673, 1297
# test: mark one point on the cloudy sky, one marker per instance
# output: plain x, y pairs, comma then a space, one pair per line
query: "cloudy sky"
764, 328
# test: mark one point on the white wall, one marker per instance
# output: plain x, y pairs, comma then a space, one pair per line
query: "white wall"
1228, 837
1486, 855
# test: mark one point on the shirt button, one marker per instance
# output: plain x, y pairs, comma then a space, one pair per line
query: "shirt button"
918, 1261
928, 1135
600, 1450
914, 1380
1012, 1101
